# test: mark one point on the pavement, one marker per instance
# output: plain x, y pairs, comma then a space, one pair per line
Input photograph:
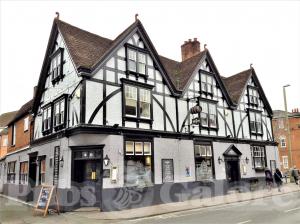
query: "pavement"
232, 208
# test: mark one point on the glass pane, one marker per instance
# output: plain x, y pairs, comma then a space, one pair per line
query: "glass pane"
132, 65
212, 120
130, 101
147, 148
204, 119
197, 150
203, 150
138, 148
142, 68
131, 55
208, 151
142, 58
129, 148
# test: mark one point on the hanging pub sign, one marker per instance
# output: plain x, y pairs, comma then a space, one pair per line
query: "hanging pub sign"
196, 110
45, 198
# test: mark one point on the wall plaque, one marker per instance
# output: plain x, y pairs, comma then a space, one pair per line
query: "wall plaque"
167, 170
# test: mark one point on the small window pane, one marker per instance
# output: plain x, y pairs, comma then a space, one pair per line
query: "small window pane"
204, 119
208, 151
131, 101
138, 148
129, 148
144, 103
147, 148
131, 55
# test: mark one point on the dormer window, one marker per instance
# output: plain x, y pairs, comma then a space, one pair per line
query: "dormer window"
136, 60
56, 66
253, 96
59, 113
47, 120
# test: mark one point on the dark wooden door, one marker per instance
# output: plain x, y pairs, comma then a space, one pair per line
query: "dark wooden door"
233, 170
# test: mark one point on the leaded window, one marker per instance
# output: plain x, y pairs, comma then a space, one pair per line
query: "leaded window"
23, 178
47, 119
59, 112
207, 84
203, 162
253, 96
138, 163
258, 157
56, 68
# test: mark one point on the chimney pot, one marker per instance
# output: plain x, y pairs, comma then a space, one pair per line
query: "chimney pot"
190, 48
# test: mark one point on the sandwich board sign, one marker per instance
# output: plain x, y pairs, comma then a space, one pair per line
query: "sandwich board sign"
44, 199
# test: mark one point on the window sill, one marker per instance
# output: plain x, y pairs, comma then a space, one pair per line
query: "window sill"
57, 79
135, 119
259, 169
59, 127
46, 132
209, 128
257, 134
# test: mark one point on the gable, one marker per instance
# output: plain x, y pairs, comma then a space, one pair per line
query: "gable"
232, 151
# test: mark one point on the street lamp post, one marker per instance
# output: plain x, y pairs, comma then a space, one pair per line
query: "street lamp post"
288, 126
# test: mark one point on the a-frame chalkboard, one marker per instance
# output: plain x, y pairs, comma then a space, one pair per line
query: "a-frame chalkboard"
44, 199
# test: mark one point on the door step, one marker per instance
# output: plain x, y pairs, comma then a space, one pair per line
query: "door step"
87, 209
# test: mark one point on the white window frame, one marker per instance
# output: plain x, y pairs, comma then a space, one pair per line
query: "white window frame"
285, 162
282, 142
26, 123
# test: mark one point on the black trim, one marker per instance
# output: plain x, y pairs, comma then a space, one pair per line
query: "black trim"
63, 124
103, 102
83, 101
138, 84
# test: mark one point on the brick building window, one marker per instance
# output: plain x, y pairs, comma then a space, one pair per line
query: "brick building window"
285, 162
13, 136
282, 142
11, 172
23, 178
26, 124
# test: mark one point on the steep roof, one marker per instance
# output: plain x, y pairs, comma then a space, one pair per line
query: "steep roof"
5, 118
236, 84
25, 109
181, 72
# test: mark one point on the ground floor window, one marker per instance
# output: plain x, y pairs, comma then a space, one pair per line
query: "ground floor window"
258, 157
11, 172
23, 178
138, 163
203, 162
285, 162
42, 170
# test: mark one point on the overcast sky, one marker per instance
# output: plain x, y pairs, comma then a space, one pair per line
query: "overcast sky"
266, 34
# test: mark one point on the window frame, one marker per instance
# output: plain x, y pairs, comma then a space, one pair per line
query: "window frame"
138, 86
211, 157
264, 157
26, 124
42, 174
11, 174
255, 113
208, 103
49, 119
207, 74
253, 88
138, 51
280, 139
138, 156
56, 73
23, 176
62, 99
285, 160
14, 134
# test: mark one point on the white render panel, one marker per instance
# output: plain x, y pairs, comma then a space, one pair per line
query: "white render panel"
158, 117
114, 110
94, 96
182, 153
171, 110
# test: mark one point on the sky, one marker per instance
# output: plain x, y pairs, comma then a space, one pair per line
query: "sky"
237, 33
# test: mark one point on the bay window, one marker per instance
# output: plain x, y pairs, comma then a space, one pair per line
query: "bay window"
208, 115
137, 102
255, 121
258, 157
203, 162
138, 163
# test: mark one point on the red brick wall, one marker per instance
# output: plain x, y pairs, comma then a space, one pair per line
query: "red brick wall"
22, 138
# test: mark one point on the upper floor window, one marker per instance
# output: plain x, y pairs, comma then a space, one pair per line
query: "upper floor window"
47, 119
136, 61
253, 96
208, 115
56, 68
11, 172
282, 142
59, 113
4, 141
258, 157
26, 124
207, 84
255, 123
137, 102
13, 137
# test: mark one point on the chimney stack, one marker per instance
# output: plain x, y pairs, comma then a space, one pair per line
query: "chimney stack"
190, 48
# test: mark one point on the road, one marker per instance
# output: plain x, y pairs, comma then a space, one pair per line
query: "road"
283, 209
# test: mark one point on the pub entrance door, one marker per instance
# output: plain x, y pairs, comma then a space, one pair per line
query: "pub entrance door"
87, 175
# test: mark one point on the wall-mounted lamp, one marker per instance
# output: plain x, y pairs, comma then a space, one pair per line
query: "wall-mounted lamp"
115, 125
106, 160
247, 160
220, 160
61, 162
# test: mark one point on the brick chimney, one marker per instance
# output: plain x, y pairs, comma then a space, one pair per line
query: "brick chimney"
190, 48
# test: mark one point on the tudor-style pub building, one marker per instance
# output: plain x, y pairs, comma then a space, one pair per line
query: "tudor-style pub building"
116, 116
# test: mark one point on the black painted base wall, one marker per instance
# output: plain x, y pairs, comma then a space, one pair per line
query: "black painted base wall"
114, 199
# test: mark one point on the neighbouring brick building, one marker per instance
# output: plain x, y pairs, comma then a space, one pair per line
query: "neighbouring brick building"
281, 136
